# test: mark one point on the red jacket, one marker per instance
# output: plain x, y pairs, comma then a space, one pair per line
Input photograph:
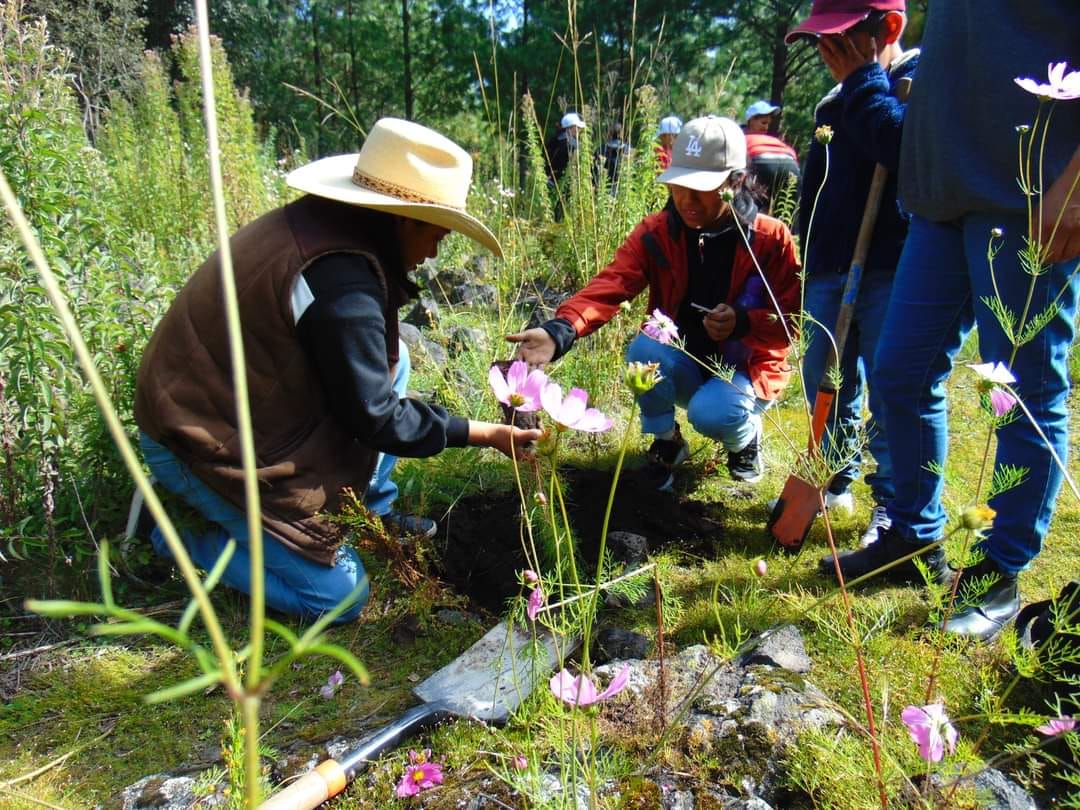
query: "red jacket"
654, 256
758, 144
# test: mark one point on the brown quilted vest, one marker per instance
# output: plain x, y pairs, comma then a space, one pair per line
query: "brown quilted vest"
184, 394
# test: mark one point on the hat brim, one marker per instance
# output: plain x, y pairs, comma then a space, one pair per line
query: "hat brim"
331, 178
695, 179
818, 25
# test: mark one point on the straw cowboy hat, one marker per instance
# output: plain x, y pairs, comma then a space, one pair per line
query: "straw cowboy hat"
402, 168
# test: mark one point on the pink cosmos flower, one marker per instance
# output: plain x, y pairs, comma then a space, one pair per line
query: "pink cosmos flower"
521, 387
332, 684
1001, 401
420, 774
660, 327
931, 730
572, 411
993, 372
1059, 725
536, 601
581, 691
1061, 87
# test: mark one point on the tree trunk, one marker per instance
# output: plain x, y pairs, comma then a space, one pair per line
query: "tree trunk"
779, 71
316, 58
352, 57
406, 59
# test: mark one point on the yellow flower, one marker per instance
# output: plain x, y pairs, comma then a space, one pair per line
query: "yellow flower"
824, 134
978, 518
642, 377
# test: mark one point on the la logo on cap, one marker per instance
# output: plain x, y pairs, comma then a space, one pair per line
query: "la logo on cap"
693, 146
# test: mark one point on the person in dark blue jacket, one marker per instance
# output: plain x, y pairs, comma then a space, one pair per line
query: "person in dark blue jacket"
860, 45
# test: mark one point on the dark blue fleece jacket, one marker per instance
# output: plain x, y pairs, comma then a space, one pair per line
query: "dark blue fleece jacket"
866, 119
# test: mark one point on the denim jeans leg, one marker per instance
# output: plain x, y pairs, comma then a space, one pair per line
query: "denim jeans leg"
929, 313
873, 303
1041, 368
293, 584
722, 411
382, 491
822, 297
682, 376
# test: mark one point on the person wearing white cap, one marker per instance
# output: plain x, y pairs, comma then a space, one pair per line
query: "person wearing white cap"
759, 117
319, 283
562, 145
699, 258
669, 129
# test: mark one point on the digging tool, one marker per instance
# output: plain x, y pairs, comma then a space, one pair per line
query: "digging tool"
797, 507
486, 682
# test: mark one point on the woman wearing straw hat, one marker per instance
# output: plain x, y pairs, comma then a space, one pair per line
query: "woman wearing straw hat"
319, 283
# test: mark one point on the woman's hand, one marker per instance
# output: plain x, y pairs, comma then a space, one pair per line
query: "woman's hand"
535, 346
512, 442
719, 323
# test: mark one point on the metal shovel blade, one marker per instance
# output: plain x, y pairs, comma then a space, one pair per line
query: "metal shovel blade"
491, 678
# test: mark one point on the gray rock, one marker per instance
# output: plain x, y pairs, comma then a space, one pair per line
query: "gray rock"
448, 616
468, 338
163, 791
997, 792
474, 295
424, 313
614, 643
433, 353
628, 548
411, 337
780, 647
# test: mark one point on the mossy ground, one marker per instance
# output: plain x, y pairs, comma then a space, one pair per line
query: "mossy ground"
83, 700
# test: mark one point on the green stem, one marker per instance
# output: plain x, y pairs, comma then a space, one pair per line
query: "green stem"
590, 614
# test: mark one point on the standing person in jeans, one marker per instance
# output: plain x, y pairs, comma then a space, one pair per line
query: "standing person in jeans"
699, 258
958, 177
319, 284
859, 42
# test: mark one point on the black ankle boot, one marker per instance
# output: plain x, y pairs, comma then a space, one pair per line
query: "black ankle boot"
889, 546
987, 615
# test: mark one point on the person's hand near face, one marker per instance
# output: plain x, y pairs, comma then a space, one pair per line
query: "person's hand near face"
844, 53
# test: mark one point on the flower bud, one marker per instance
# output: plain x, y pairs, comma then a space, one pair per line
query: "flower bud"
642, 377
997, 233
824, 134
1023, 129
531, 576
625, 306
540, 498
520, 762
727, 195
761, 568
978, 518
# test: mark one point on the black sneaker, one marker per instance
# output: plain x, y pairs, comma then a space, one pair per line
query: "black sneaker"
890, 547
408, 525
664, 456
746, 464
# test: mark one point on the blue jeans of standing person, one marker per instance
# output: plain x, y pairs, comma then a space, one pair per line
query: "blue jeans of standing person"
940, 288
294, 584
823, 294
717, 409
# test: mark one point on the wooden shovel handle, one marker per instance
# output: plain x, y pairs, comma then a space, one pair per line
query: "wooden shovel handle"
310, 790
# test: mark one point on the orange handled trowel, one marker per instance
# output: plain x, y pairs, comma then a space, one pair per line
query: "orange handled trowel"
486, 682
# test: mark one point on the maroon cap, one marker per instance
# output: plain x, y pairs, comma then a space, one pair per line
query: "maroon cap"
834, 16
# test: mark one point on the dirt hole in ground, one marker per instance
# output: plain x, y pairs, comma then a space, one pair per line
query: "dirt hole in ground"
480, 538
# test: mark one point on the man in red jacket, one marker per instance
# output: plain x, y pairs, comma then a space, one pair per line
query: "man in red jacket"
722, 272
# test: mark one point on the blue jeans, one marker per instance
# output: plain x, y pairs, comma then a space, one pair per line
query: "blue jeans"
823, 293
382, 491
939, 291
294, 584
717, 409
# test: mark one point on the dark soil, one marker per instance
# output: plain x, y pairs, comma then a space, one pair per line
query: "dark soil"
480, 539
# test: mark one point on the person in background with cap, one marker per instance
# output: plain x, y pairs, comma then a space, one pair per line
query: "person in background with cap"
759, 117
859, 42
704, 249
773, 163
562, 145
319, 281
968, 243
669, 129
